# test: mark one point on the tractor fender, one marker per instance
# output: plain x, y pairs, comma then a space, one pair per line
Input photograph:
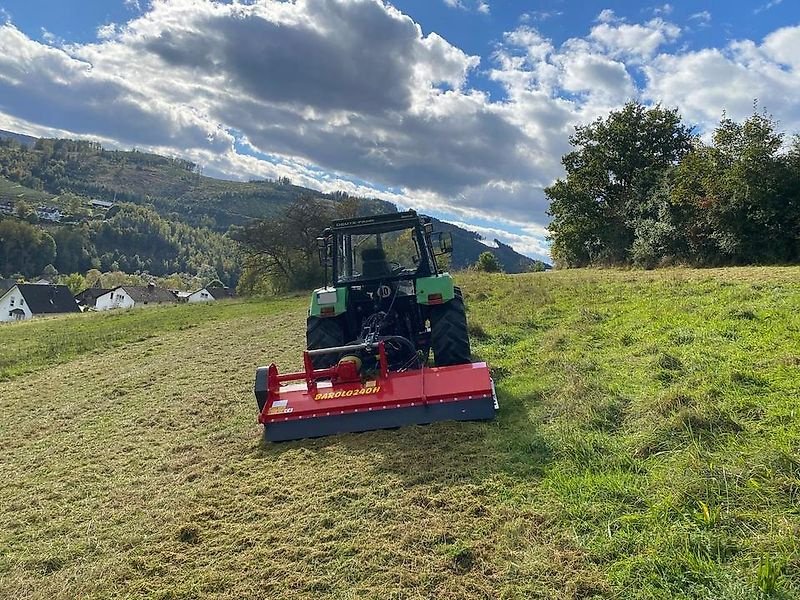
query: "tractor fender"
328, 302
437, 289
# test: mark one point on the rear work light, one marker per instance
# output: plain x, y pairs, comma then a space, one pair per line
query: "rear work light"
326, 297
434, 298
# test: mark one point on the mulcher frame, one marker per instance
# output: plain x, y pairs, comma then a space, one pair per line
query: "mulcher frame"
338, 400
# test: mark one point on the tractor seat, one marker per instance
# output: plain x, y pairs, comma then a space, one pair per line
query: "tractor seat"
374, 263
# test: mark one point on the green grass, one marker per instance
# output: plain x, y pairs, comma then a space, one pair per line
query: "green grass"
10, 191
648, 446
31, 345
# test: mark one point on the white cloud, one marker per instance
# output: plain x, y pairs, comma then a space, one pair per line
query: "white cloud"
133, 5
45, 85
706, 82
107, 31
531, 67
664, 9
783, 46
50, 37
385, 107
481, 6
522, 242
607, 16
702, 18
539, 15
634, 40
767, 6
598, 75
182, 76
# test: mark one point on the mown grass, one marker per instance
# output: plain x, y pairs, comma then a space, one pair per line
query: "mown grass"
31, 345
647, 447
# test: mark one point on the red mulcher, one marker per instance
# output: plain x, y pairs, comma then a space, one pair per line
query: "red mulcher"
338, 400
370, 333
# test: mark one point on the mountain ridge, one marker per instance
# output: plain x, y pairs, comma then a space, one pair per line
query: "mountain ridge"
177, 189
27, 140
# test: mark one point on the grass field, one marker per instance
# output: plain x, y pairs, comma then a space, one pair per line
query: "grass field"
647, 446
10, 191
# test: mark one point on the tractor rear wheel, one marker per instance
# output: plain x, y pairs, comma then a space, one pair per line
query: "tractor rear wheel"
449, 336
324, 332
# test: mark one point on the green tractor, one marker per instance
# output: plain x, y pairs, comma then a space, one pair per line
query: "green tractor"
384, 283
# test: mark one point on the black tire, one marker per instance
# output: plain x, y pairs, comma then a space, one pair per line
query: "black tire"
449, 336
324, 332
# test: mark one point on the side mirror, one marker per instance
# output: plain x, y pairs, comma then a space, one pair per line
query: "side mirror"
442, 242
324, 251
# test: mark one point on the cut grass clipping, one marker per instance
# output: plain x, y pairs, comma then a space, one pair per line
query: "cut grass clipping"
647, 446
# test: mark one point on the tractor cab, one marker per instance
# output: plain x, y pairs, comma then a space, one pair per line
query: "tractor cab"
383, 278
381, 249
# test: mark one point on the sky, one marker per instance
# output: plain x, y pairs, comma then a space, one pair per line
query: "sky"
460, 109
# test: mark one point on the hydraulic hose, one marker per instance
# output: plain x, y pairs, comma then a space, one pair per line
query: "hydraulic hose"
404, 342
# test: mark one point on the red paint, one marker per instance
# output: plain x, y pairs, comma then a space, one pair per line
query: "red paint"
394, 390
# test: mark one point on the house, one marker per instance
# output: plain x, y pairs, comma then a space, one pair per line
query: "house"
101, 204
49, 213
89, 296
6, 284
7, 208
209, 294
128, 296
27, 300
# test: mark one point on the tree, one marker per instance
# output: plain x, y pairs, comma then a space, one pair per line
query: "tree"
400, 246
50, 273
22, 209
93, 277
283, 249
207, 273
488, 263
738, 198
74, 205
75, 282
176, 281
347, 206
792, 230
537, 267
253, 282
616, 165
74, 249
137, 238
24, 248
117, 278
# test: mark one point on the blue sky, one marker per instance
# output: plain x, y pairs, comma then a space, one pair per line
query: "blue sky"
460, 108
473, 32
